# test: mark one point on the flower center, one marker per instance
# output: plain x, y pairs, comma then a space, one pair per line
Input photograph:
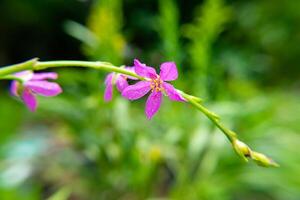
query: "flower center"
156, 84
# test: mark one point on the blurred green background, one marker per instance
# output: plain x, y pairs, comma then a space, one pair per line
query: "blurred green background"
242, 57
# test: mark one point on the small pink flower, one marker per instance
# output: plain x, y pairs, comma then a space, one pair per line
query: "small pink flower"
157, 85
119, 79
32, 84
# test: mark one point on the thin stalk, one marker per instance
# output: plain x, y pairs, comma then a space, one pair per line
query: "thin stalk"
9, 77
212, 117
11, 69
34, 64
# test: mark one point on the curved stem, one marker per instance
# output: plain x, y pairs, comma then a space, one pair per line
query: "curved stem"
9, 70
242, 149
34, 64
87, 64
212, 116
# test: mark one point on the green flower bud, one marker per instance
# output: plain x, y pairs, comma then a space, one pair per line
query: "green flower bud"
263, 160
242, 149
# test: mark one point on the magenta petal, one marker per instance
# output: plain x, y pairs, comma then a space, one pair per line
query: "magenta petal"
108, 78
137, 90
44, 88
29, 99
153, 104
142, 70
168, 71
109, 87
44, 75
121, 83
108, 92
14, 88
172, 93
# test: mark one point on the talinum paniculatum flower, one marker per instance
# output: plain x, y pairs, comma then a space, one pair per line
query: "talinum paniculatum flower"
31, 84
155, 84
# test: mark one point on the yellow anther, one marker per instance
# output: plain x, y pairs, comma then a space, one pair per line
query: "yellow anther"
156, 84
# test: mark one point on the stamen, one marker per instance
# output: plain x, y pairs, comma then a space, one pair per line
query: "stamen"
156, 84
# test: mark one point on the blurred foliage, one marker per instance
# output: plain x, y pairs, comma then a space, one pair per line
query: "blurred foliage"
241, 56
168, 29
209, 23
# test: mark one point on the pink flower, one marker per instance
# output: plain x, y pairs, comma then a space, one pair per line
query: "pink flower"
157, 85
119, 79
32, 84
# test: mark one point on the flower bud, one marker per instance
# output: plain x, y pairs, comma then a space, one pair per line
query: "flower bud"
242, 149
263, 160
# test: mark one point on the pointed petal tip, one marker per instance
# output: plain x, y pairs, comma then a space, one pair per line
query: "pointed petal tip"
136, 60
107, 99
44, 76
172, 92
60, 90
32, 109
148, 117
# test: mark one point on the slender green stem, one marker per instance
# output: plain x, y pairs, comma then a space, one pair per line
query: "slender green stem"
242, 149
10, 77
95, 65
9, 70
212, 116
34, 64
